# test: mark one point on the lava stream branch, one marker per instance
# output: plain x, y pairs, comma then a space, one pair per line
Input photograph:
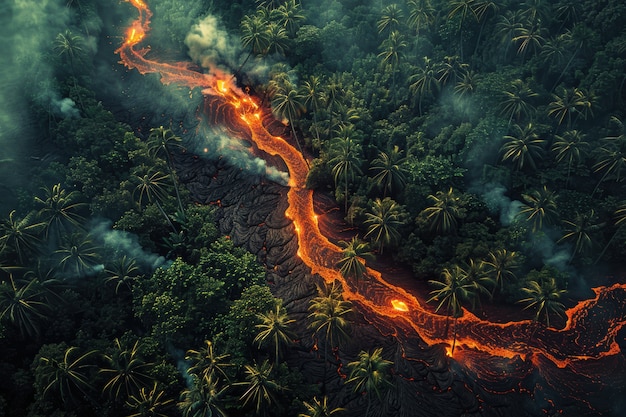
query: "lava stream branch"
605, 313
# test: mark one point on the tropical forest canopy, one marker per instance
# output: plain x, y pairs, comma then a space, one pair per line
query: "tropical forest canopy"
481, 144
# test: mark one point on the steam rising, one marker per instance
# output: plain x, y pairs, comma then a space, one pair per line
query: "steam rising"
215, 142
209, 44
124, 243
498, 203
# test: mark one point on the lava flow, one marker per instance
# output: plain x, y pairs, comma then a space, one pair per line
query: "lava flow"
592, 326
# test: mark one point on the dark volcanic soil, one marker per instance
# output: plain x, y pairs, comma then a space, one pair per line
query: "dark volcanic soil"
426, 382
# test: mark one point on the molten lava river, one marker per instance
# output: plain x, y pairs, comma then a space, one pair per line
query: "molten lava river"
580, 365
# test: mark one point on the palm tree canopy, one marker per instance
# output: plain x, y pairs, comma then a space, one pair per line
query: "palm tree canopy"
355, 253
390, 170
524, 147
370, 373
446, 210
543, 296
540, 208
274, 329
453, 291
384, 221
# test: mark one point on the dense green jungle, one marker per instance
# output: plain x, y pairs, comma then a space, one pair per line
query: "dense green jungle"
479, 146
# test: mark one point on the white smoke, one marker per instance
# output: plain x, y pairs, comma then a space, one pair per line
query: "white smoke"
209, 45
124, 243
215, 143
543, 245
493, 195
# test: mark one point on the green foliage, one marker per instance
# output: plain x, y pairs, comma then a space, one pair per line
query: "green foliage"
235, 266
543, 290
178, 302
236, 329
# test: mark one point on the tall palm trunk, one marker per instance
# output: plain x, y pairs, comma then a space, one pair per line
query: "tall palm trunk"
608, 244
169, 221
565, 69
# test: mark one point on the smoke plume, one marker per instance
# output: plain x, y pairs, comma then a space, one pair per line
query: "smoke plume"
212, 143
493, 195
209, 44
124, 243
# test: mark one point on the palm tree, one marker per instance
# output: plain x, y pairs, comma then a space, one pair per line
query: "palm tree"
319, 408
501, 265
335, 94
462, 8
567, 103
278, 39
203, 398
345, 155
535, 9
355, 253
67, 378
553, 51
369, 374
69, 45
23, 304
620, 218
390, 170
479, 276
261, 389
544, 297
151, 187
288, 105
78, 254
517, 101
481, 8
207, 361
451, 293
523, 147
579, 232
567, 12
312, 94
508, 25
451, 69
127, 373
149, 403
59, 211
530, 37
254, 35
329, 316
445, 211
274, 329
611, 156
390, 19
467, 85
421, 13
540, 208
161, 140
391, 53
20, 236
289, 16
384, 221
124, 272
425, 81
569, 147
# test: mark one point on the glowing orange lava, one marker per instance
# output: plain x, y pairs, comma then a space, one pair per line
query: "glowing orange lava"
381, 301
399, 305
